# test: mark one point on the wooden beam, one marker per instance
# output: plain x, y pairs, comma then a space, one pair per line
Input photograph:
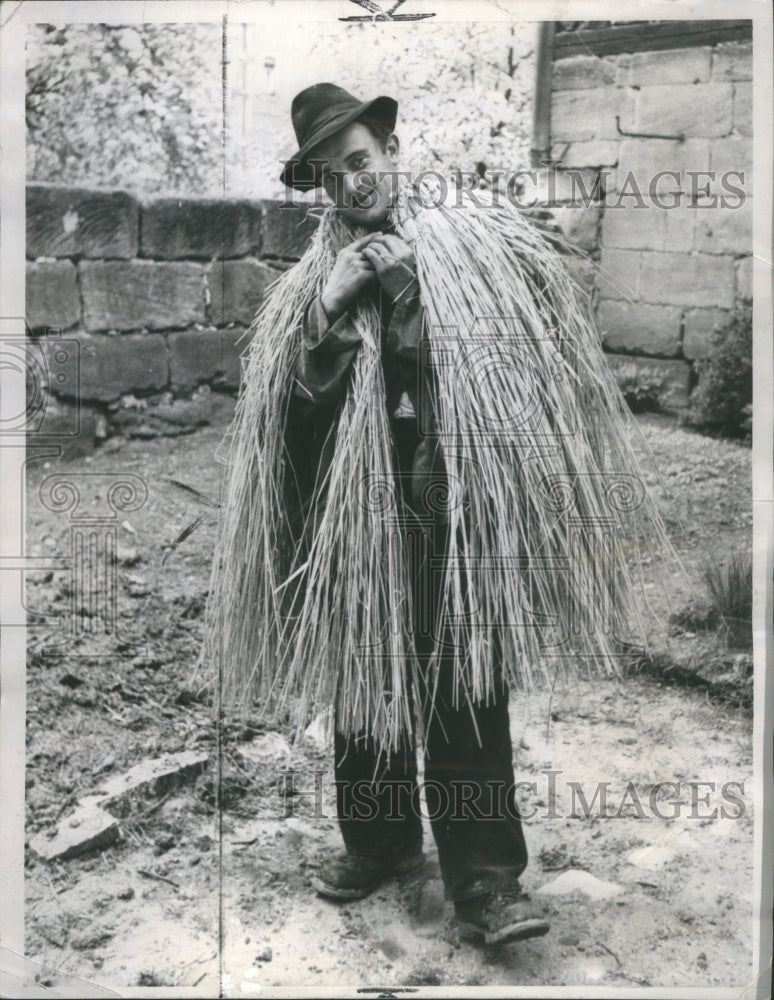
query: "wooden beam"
541, 115
644, 37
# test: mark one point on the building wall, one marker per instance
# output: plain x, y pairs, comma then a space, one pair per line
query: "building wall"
666, 278
156, 295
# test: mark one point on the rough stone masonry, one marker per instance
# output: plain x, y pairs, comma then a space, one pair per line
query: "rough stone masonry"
668, 278
155, 297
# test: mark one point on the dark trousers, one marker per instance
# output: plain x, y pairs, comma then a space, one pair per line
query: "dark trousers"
468, 779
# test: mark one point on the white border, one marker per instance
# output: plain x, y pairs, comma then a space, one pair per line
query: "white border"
13, 20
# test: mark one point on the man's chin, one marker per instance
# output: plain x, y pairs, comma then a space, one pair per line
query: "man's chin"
369, 218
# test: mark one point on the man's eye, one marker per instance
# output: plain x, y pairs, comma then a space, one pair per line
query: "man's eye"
360, 163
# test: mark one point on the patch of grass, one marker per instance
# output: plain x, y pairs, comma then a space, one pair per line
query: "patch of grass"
729, 585
726, 677
694, 617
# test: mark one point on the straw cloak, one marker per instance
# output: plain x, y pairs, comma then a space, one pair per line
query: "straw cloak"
545, 505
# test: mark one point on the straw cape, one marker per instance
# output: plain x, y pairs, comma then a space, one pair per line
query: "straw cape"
310, 595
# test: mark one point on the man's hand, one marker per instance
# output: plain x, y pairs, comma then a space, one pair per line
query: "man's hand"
393, 261
351, 273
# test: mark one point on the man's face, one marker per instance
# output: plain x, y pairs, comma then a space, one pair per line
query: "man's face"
358, 174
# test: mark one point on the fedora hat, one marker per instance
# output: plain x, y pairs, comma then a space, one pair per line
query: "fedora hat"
319, 112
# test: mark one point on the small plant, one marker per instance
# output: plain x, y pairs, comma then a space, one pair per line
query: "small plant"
722, 401
729, 586
642, 388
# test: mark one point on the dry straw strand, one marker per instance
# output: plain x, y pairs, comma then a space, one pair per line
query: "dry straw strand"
550, 517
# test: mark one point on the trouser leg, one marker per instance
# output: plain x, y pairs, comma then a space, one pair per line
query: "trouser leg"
374, 797
469, 779
468, 760
469, 788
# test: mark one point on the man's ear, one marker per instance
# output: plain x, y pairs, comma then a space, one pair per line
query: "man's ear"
392, 147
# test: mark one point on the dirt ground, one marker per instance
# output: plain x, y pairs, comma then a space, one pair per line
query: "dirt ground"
202, 892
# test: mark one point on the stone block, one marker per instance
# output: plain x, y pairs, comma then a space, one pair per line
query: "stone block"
71, 221
197, 356
725, 230
676, 375
91, 826
581, 115
744, 278
237, 288
648, 160
579, 225
580, 72
701, 280
743, 109
694, 110
594, 153
649, 228
734, 152
640, 328
113, 366
194, 356
698, 327
286, 231
619, 274
150, 778
52, 295
669, 66
732, 61
86, 829
141, 294
180, 228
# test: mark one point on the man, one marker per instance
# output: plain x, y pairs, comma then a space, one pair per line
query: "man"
428, 463
352, 151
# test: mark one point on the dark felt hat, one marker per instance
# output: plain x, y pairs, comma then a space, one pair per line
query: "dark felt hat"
319, 112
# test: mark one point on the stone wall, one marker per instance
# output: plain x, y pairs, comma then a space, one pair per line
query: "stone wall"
667, 277
157, 296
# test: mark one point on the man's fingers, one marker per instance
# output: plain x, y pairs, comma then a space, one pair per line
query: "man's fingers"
394, 244
363, 241
396, 252
378, 262
385, 261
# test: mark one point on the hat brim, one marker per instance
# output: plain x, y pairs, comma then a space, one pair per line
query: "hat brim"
300, 174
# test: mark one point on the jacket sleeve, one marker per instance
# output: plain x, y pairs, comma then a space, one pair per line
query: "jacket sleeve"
326, 356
